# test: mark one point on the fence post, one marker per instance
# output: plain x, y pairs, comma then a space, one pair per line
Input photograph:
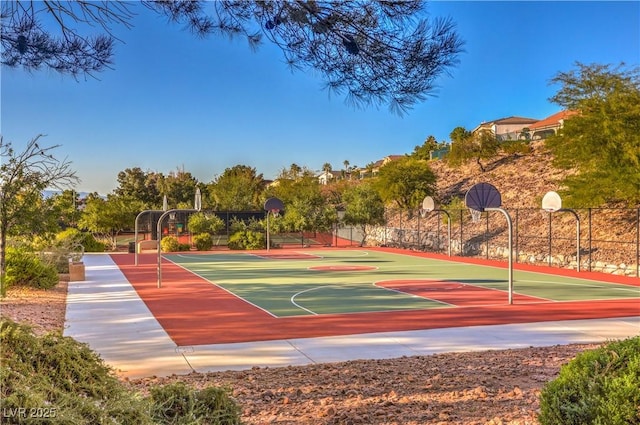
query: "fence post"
461, 239
438, 232
516, 235
401, 233
486, 235
589, 239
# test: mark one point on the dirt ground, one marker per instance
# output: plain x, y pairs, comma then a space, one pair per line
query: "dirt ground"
488, 387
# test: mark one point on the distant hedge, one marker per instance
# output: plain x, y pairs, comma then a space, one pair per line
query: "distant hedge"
599, 386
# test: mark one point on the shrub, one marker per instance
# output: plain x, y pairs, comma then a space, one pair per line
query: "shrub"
247, 239
178, 404
453, 207
512, 147
599, 386
169, 244
73, 385
72, 236
27, 269
64, 378
203, 241
204, 223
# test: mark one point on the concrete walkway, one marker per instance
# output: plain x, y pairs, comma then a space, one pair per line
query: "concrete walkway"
105, 312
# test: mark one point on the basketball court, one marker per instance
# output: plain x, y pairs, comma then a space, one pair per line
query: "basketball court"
239, 310
242, 309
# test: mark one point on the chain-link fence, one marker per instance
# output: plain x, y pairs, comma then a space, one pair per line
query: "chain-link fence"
592, 239
596, 239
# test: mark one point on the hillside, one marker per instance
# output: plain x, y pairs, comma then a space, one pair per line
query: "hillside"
521, 179
608, 234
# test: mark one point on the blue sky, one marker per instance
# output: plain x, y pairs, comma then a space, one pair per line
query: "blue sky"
176, 101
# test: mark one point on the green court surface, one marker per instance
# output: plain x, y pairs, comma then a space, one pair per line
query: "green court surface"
288, 283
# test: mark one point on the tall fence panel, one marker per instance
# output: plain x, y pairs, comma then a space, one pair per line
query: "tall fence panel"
596, 239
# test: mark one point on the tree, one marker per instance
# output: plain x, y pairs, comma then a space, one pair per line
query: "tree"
424, 151
201, 222
65, 207
180, 187
107, 218
23, 178
466, 145
406, 181
378, 52
141, 185
306, 209
363, 208
237, 189
602, 141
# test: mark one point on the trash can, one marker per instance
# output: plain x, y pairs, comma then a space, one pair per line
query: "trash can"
132, 247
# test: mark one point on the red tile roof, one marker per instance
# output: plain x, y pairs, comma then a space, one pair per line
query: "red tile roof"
552, 120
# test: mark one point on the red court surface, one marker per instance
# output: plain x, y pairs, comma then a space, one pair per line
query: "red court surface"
194, 311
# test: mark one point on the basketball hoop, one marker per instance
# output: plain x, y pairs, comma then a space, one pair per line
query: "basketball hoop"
475, 215
275, 212
423, 212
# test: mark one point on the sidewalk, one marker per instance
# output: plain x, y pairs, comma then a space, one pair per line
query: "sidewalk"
105, 312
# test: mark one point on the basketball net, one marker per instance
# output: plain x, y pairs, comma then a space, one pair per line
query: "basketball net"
275, 213
475, 215
423, 213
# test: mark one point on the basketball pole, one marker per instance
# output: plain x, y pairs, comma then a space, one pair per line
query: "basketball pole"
135, 232
510, 227
268, 230
159, 232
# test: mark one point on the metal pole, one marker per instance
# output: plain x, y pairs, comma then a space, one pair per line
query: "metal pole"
419, 240
159, 231
461, 239
268, 231
577, 243
135, 233
438, 232
486, 236
549, 255
448, 229
516, 234
638, 243
575, 214
510, 227
589, 239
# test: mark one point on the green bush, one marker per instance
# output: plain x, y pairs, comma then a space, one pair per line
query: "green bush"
72, 236
512, 147
247, 239
25, 268
599, 386
63, 377
72, 384
203, 241
204, 223
169, 244
180, 405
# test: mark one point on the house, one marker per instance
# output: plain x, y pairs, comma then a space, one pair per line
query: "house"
550, 125
327, 176
509, 128
373, 169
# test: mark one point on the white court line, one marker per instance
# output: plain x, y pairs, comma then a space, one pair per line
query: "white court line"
293, 298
